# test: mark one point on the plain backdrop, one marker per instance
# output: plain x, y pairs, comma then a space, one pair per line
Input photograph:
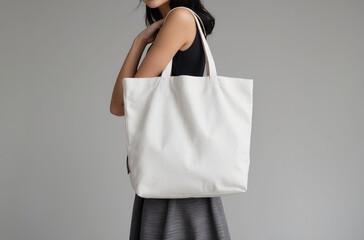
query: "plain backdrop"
63, 172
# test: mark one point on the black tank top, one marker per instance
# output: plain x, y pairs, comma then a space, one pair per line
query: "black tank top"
190, 61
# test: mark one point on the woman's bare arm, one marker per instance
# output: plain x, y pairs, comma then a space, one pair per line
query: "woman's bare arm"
177, 31
128, 69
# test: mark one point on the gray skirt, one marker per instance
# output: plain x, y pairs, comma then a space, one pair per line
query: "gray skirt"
179, 218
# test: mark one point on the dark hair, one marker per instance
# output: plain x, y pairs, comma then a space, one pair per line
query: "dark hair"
153, 14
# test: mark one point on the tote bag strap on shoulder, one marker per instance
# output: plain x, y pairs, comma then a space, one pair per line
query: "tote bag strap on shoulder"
210, 63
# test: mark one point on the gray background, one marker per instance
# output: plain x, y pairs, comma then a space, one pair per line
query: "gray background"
62, 170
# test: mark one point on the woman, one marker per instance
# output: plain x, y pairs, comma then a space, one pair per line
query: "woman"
178, 38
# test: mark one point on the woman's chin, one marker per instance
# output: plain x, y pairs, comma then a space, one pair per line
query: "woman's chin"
152, 3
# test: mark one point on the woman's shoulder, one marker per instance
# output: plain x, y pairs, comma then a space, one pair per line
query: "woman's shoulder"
183, 19
181, 15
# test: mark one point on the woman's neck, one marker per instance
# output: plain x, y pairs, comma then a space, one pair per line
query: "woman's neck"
164, 9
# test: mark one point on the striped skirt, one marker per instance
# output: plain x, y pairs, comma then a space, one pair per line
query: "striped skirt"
177, 219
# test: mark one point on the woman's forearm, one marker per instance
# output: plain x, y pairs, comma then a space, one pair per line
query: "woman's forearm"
128, 69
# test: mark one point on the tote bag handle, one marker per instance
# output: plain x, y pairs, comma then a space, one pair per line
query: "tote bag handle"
210, 63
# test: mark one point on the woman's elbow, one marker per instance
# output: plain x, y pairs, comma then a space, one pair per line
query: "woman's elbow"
117, 111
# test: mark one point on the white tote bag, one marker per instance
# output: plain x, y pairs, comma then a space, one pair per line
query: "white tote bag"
188, 136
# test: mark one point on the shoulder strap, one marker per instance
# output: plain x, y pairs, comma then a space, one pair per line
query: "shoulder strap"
210, 63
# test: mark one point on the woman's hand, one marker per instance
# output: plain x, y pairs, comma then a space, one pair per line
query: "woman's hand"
148, 35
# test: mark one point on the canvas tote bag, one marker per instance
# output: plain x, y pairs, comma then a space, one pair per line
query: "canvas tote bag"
188, 136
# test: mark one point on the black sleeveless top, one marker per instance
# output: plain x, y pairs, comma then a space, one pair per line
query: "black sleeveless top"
190, 61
